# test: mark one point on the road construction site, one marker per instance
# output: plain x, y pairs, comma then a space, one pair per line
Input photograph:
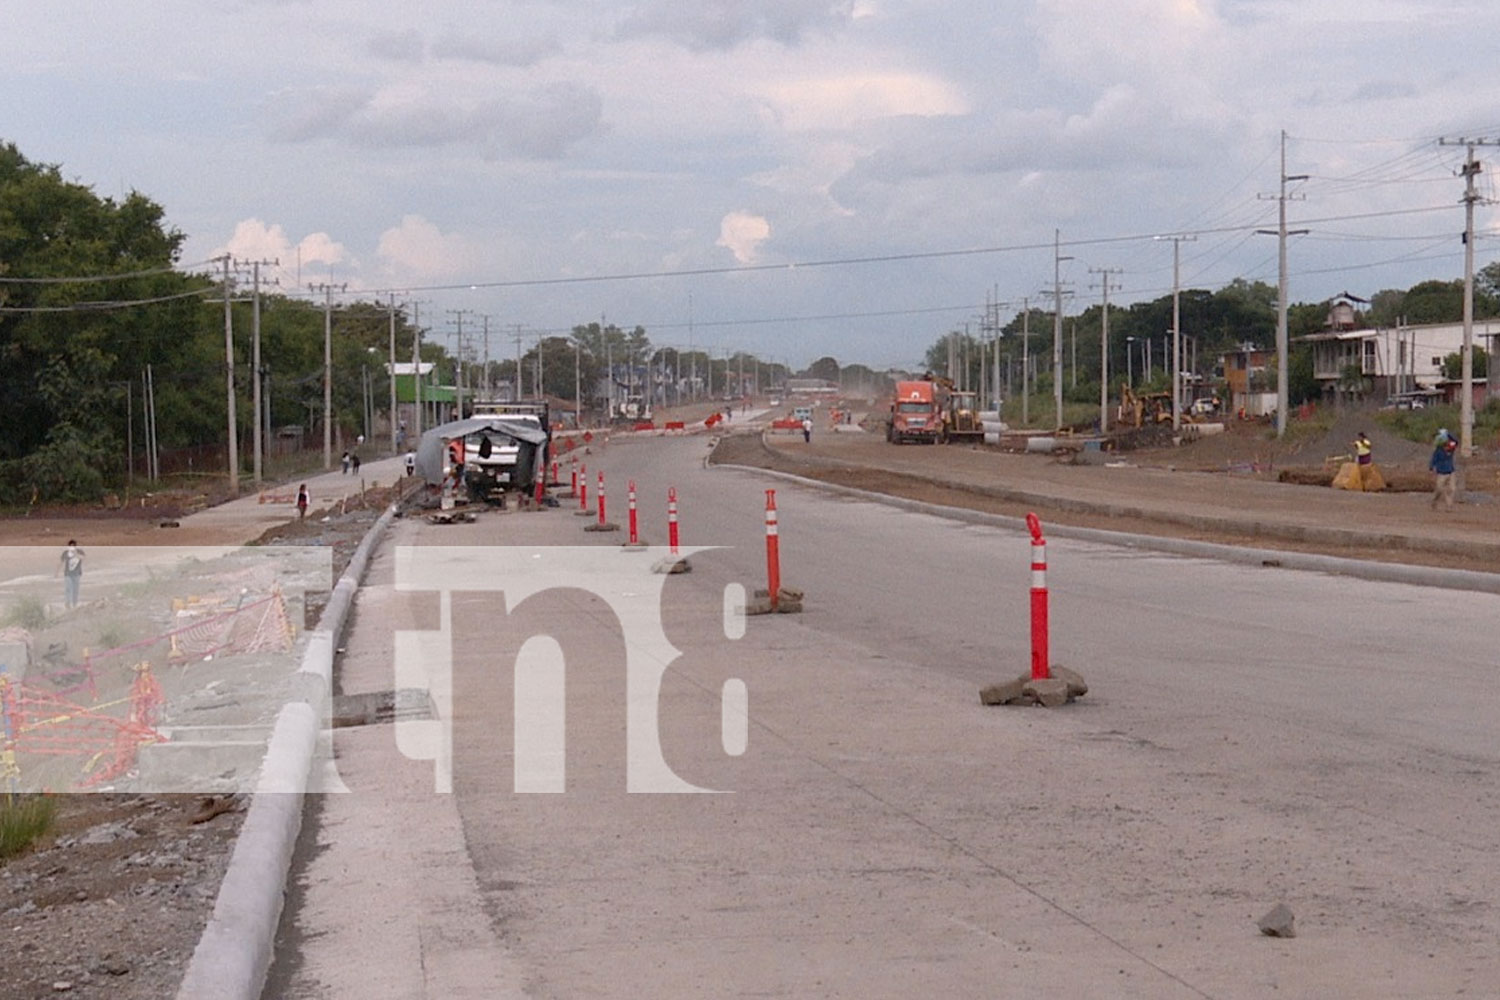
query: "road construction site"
1253, 736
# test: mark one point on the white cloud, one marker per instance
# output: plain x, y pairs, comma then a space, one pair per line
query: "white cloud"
742, 234
539, 123
723, 24
255, 240
419, 249
839, 101
400, 46
497, 50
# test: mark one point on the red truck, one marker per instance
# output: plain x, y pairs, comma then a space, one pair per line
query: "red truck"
916, 412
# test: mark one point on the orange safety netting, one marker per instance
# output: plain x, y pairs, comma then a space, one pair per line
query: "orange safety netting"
43, 724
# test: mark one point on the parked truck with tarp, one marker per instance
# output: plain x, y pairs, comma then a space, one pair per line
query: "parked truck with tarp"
485, 456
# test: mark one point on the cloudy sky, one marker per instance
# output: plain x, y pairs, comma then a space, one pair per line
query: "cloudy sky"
790, 177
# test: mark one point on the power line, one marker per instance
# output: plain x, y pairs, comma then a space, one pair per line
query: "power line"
118, 276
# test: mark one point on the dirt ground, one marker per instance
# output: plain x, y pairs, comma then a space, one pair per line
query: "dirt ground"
111, 904
1163, 490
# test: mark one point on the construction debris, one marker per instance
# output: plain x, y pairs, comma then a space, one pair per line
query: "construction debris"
452, 517
1278, 923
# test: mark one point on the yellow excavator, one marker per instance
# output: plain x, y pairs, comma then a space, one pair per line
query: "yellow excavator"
960, 412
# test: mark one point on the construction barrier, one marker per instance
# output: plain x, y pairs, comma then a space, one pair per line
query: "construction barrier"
674, 425
40, 724
601, 498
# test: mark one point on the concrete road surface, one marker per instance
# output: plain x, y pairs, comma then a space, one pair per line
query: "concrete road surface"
1252, 736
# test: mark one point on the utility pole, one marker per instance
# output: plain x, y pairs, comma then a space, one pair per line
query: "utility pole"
1281, 332
1025, 361
257, 442
458, 363
393, 373
1470, 170
1176, 328
234, 449
1057, 355
416, 373
327, 291
484, 380
1104, 272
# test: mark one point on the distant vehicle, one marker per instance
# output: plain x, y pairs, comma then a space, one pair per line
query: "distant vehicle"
916, 412
634, 407
1418, 400
802, 413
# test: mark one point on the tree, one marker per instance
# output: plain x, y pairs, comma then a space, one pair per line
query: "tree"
1434, 302
1453, 364
74, 340
825, 368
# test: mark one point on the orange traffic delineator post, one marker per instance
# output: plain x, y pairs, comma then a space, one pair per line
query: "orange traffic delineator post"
1039, 653
1047, 684
635, 537
583, 491
773, 550
672, 518
601, 497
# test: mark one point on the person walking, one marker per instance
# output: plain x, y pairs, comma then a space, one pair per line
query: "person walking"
807, 430
345, 461
354, 462
70, 565
302, 499
1441, 465
411, 463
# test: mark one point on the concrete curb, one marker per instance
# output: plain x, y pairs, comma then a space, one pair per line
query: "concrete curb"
234, 953
1425, 576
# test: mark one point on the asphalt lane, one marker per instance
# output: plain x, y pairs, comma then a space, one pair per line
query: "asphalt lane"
1252, 736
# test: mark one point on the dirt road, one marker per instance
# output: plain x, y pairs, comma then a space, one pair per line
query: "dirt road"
1164, 491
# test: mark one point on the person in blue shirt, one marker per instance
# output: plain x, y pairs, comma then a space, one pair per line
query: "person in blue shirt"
1441, 465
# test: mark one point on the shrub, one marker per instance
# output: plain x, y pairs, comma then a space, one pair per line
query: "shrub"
29, 612
24, 819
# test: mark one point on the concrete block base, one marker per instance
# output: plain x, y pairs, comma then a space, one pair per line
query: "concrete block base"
672, 565
606, 526
1063, 686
